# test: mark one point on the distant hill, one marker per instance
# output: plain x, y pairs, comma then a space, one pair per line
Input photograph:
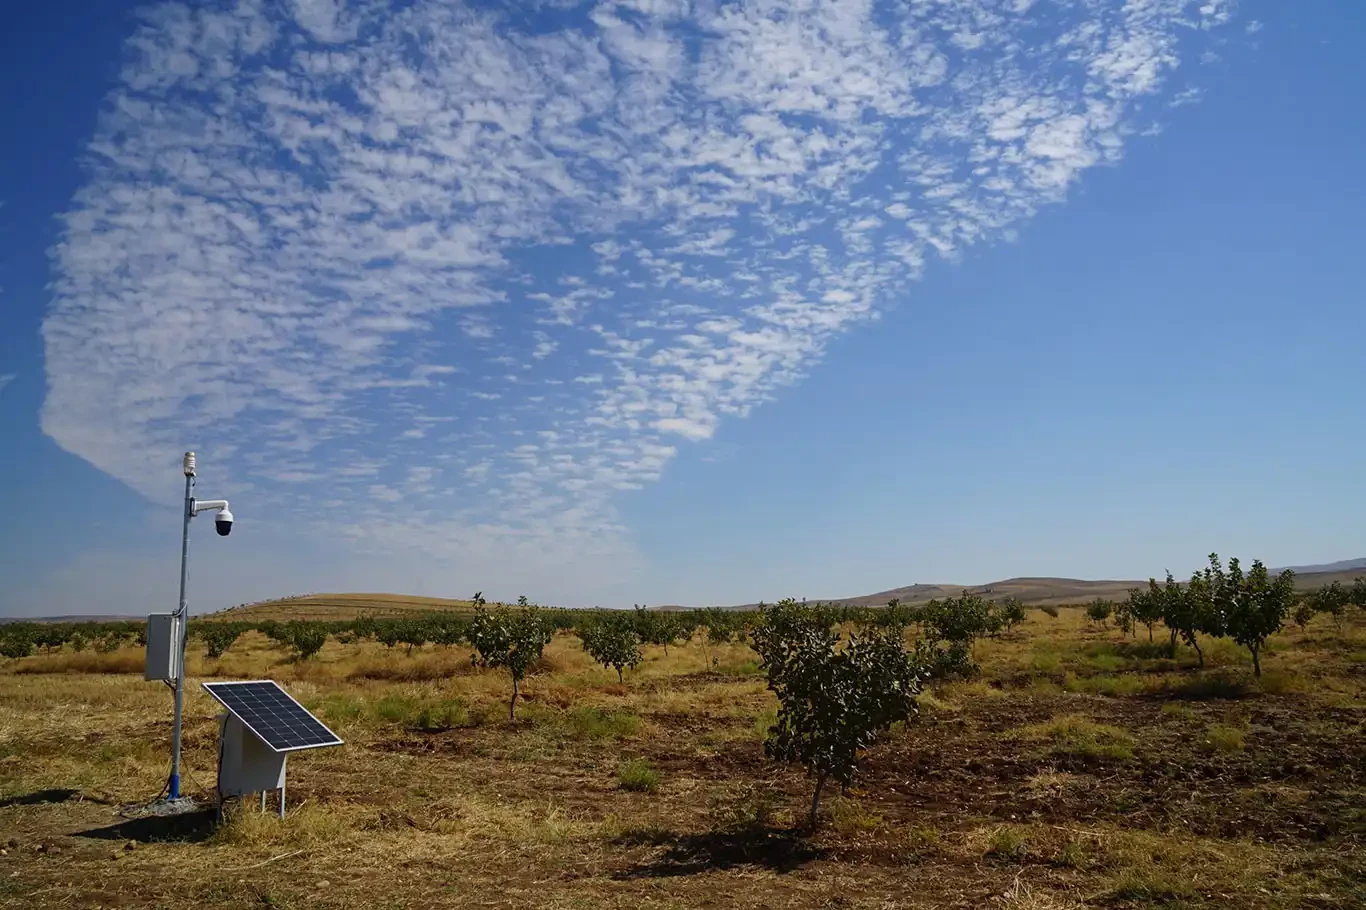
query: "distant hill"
339, 606
1342, 565
1034, 592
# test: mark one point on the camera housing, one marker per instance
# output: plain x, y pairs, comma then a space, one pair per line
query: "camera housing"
222, 523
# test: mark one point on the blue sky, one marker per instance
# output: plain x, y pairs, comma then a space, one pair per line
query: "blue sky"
673, 302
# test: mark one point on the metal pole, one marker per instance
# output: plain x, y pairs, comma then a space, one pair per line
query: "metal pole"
174, 788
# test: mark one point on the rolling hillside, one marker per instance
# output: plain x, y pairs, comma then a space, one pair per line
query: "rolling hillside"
1033, 592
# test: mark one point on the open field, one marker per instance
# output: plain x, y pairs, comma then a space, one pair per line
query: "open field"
1080, 769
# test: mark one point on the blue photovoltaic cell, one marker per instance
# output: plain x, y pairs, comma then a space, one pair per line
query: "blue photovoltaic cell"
280, 721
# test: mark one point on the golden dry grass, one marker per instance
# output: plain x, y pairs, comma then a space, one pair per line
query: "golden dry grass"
438, 800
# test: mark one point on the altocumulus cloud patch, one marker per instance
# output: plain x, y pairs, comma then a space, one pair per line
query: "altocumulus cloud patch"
470, 271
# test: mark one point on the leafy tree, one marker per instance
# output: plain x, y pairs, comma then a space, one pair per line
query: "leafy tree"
1333, 600
960, 620
1304, 612
721, 626
833, 701
306, 638
1257, 606
657, 627
513, 641
16, 641
478, 599
611, 642
1188, 610
413, 633
389, 633
1099, 610
523, 602
1359, 593
1012, 612
218, 636
1145, 606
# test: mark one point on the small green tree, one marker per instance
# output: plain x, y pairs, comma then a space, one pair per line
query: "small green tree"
1257, 607
657, 627
1145, 606
1304, 613
1333, 600
1099, 610
833, 701
611, 642
306, 638
513, 641
16, 641
1012, 612
218, 637
720, 626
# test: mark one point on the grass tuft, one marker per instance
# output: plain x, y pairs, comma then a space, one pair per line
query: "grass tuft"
1077, 736
638, 776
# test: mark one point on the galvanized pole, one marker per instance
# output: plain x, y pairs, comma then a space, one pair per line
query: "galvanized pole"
174, 786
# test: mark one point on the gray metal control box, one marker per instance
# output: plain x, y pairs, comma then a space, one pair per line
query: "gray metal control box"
163, 647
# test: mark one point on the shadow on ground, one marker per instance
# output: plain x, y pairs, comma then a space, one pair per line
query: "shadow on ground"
38, 797
189, 827
691, 854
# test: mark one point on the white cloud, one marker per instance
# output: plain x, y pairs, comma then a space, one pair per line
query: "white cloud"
304, 236
6, 379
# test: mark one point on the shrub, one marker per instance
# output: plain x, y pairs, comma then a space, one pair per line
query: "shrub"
513, 641
833, 702
637, 775
1050, 610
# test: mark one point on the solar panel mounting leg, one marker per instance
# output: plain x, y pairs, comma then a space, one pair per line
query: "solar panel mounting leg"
282, 800
263, 802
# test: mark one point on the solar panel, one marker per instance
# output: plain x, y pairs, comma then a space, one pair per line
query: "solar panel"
269, 712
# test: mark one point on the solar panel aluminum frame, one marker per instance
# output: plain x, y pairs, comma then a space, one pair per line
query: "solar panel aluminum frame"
209, 687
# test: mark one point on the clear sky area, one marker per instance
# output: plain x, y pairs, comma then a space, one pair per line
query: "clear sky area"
675, 302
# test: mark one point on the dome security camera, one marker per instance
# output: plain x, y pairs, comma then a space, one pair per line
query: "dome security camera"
222, 523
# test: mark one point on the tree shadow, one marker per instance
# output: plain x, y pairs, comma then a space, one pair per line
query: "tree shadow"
189, 828
774, 849
39, 797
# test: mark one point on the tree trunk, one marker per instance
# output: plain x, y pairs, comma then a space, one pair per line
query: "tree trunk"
512, 706
1171, 645
1150, 634
816, 800
620, 678
1198, 653
1256, 661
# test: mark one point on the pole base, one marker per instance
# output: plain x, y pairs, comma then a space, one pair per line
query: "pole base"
163, 807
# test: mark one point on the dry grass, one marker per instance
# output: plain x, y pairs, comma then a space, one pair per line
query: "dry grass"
1077, 736
1029, 788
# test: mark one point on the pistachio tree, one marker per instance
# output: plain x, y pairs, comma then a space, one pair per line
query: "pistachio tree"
509, 640
834, 699
612, 642
1257, 605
